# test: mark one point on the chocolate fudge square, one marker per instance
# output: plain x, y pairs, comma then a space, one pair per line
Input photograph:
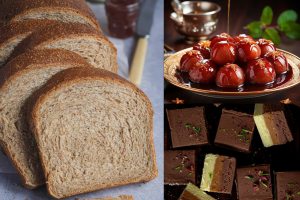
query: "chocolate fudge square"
235, 131
254, 182
179, 167
218, 173
272, 122
287, 184
188, 127
192, 192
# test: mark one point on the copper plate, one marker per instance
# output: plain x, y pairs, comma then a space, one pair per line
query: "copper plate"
171, 64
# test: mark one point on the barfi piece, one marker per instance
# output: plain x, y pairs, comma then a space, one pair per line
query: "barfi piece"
287, 185
192, 192
272, 125
179, 167
218, 174
235, 131
188, 127
254, 182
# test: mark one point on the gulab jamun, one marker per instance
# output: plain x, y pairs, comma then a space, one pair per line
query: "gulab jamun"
241, 37
230, 75
204, 48
189, 59
247, 50
279, 61
204, 71
223, 52
266, 46
219, 38
260, 71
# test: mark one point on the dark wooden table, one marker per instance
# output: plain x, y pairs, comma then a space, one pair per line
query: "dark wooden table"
242, 12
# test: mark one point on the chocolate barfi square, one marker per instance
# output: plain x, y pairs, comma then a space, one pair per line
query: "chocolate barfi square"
254, 182
192, 192
287, 185
179, 167
218, 173
272, 124
235, 131
188, 127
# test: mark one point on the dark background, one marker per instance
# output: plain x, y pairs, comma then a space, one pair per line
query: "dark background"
242, 12
281, 157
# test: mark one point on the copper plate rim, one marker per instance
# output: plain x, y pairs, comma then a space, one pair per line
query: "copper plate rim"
170, 67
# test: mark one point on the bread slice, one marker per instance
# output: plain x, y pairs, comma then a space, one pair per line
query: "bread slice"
18, 79
79, 38
93, 130
122, 197
59, 10
13, 33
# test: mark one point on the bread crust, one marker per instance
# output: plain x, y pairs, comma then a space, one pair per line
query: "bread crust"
36, 59
24, 180
12, 10
64, 79
2, 151
58, 31
127, 197
18, 28
41, 58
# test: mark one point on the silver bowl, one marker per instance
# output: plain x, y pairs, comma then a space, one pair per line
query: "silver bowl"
197, 21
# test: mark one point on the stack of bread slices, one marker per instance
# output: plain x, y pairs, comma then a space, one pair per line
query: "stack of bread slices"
66, 118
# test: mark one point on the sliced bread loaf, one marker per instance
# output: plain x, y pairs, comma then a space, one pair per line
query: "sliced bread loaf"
13, 33
18, 79
79, 38
60, 10
93, 130
122, 197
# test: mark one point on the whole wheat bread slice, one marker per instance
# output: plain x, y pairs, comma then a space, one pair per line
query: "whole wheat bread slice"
121, 197
60, 10
93, 130
13, 33
18, 79
79, 38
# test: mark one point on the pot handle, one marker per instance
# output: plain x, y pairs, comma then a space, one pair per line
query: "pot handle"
174, 16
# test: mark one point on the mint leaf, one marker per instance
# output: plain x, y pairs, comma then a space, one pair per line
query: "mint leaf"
255, 29
288, 15
272, 34
267, 16
284, 27
291, 29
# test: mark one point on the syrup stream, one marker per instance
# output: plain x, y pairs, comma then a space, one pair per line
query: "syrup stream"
228, 17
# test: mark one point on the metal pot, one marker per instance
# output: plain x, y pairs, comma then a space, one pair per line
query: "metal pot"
198, 21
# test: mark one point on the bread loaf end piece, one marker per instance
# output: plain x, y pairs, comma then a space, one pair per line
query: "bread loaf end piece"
94, 131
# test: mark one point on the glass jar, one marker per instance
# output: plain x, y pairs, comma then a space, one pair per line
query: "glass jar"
121, 17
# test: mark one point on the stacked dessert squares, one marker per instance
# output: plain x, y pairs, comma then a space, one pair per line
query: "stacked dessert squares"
209, 157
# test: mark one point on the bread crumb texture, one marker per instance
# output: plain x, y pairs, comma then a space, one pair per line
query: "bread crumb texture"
93, 133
